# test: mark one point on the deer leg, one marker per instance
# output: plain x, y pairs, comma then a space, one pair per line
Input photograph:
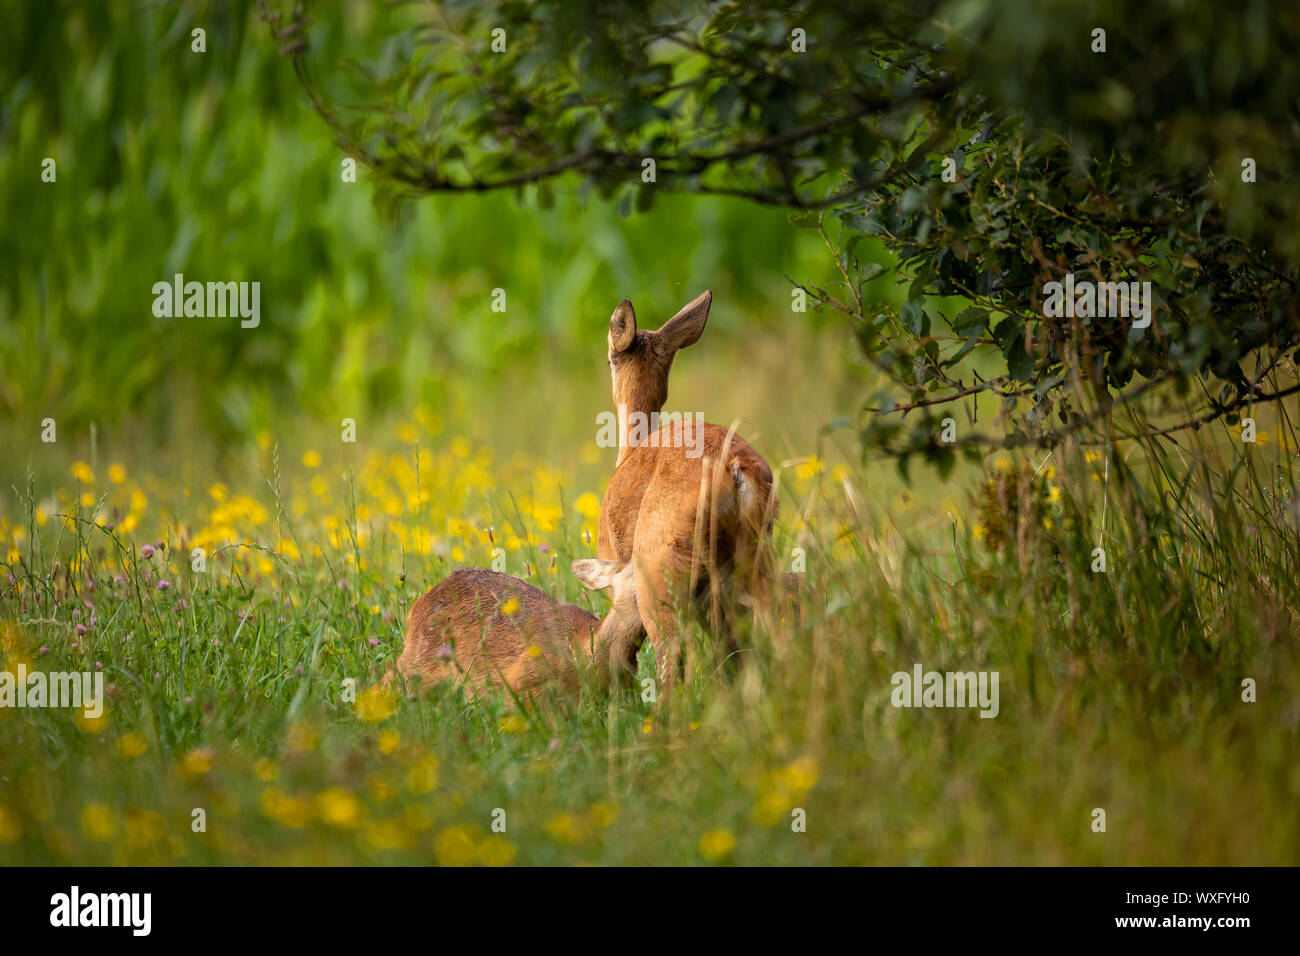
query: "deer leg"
620, 637
659, 615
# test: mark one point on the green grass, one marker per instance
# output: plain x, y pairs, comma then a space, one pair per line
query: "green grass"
1120, 691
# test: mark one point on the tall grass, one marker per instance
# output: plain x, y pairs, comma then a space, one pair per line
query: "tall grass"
1120, 690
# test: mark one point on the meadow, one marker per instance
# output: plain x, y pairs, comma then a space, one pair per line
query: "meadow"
227, 687
181, 513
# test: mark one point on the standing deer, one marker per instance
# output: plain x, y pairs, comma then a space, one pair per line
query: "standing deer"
491, 630
690, 521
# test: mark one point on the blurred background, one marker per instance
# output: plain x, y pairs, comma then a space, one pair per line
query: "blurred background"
213, 165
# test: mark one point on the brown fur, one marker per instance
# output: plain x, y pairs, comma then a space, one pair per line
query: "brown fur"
458, 630
690, 527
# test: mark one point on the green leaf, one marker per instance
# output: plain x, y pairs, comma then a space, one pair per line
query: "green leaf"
914, 317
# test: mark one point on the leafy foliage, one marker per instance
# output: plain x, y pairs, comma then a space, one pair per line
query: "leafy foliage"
210, 165
1116, 157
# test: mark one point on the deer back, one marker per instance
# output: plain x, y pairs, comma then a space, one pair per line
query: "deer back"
490, 629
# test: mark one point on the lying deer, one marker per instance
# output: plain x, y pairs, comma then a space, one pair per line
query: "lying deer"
690, 506
489, 630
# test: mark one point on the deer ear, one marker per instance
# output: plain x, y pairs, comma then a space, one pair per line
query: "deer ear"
622, 327
686, 326
594, 573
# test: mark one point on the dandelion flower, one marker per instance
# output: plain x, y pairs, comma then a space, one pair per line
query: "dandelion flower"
717, 845
98, 821
132, 745
375, 705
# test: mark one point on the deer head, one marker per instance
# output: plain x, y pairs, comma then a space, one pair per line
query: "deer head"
639, 360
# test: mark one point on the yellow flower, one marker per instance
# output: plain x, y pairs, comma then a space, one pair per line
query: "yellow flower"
132, 745
547, 516
195, 764
565, 828
375, 704
92, 725
81, 471
603, 814
456, 846
770, 807
808, 468
512, 724
9, 828
116, 474
266, 770
430, 419
717, 844
783, 788
143, 827
800, 776
291, 811
587, 505
98, 821
311, 459
510, 607
534, 651
388, 835
11, 639
423, 776
381, 788
339, 808
388, 741
496, 850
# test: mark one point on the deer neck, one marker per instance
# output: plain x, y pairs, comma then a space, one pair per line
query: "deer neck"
635, 411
